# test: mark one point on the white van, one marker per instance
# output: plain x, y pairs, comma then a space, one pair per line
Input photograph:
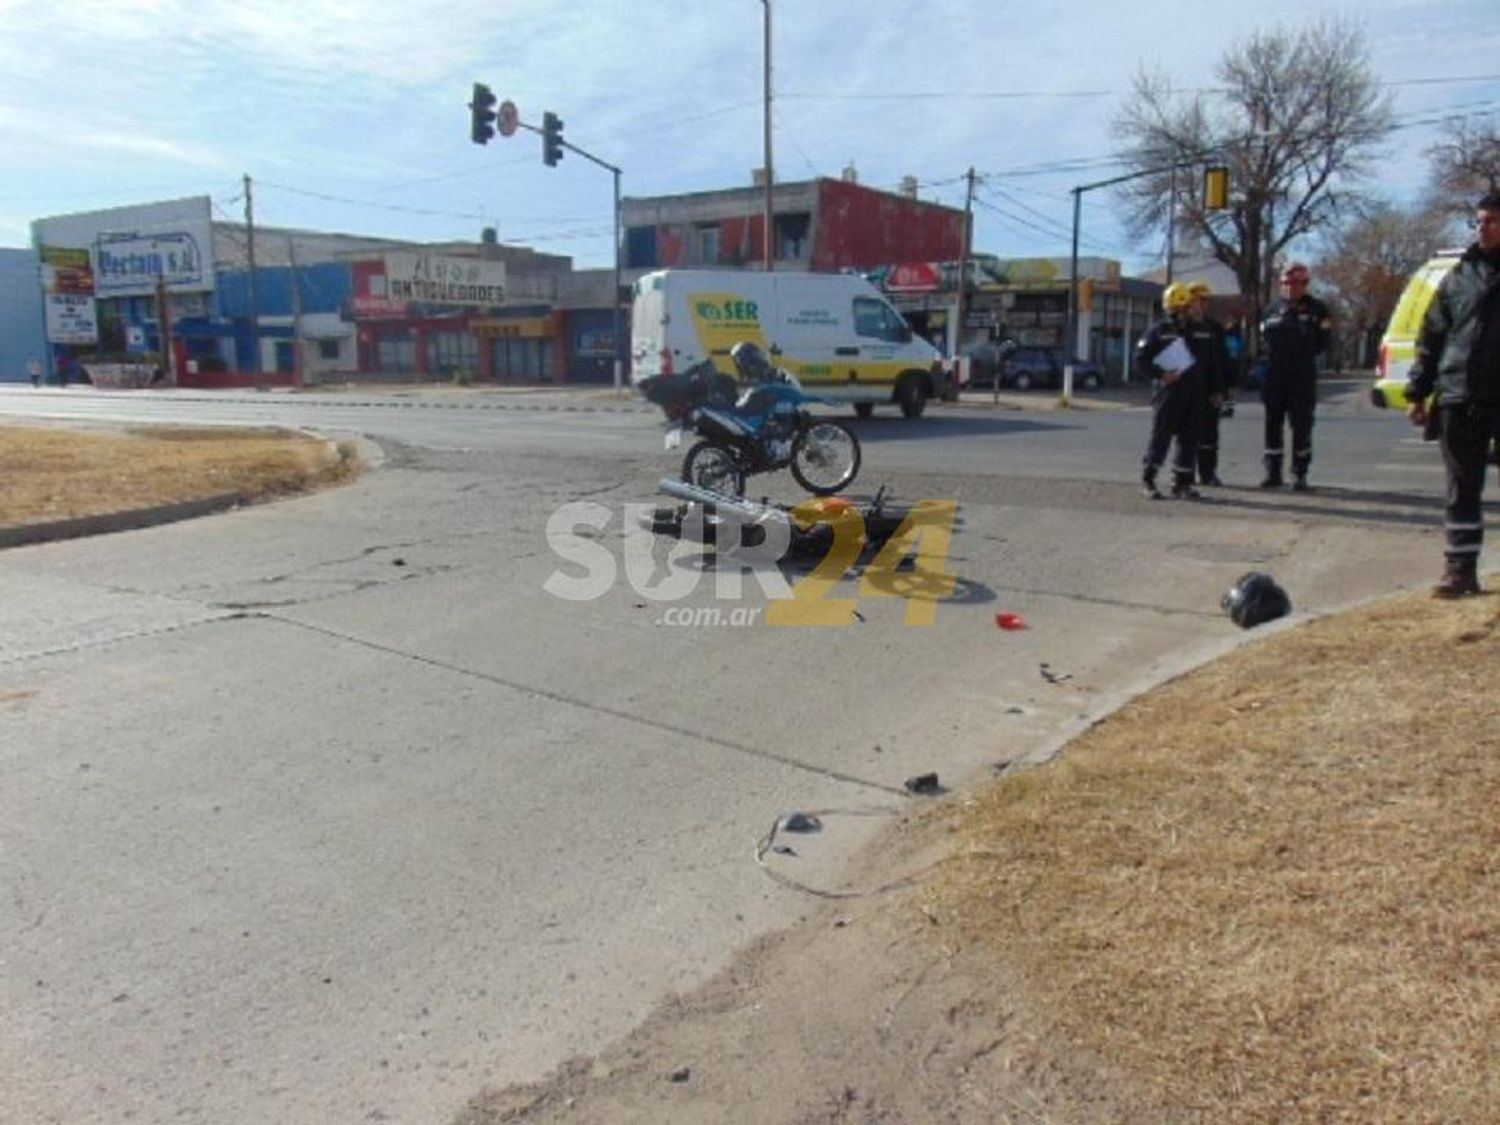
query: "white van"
835, 332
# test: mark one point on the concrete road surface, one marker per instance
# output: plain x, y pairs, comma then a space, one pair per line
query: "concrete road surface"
327, 811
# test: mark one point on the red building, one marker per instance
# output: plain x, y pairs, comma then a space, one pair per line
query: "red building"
823, 225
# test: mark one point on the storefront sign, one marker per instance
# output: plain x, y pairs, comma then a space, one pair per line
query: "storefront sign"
67, 271
442, 280
914, 277
130, 264
538, 327
71, 319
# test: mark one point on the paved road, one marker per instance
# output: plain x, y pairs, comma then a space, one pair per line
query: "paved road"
325, 811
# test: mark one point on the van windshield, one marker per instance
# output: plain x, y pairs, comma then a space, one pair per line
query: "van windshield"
877, 319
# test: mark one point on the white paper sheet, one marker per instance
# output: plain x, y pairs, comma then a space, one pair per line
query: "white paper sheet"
1174, 357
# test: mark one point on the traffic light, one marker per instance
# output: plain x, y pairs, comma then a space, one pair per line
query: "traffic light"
552, 139
1215, 188
482, 111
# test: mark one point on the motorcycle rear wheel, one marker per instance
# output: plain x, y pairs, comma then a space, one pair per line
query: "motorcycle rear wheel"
825, 457
713, 465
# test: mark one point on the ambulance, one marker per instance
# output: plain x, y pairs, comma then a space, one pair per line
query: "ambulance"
1398, 347
835, 332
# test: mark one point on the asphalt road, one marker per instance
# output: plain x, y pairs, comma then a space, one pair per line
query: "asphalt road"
327, 810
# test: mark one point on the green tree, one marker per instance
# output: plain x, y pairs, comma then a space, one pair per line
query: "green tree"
1297, 121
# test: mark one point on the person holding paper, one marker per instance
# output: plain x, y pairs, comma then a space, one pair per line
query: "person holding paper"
1168, 350
1209, 341
1295, 331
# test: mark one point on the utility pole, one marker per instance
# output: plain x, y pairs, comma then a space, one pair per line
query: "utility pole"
291, 256
769, 240
164, 330
619, 333
254, 288
956, 335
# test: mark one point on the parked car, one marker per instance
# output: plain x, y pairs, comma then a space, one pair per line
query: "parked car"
1026, 367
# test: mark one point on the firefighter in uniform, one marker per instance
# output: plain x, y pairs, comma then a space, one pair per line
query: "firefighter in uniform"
1458, 355
1177, 404
1209, 341
1295, 331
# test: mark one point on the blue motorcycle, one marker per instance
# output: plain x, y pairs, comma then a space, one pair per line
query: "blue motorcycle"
766, 428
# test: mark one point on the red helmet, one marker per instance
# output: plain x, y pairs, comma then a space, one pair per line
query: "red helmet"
1296, 274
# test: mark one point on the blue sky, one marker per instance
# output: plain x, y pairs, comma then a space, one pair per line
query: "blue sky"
352, 116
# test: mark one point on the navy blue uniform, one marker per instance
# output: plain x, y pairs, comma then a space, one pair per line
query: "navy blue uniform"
1295, 332
1177, 405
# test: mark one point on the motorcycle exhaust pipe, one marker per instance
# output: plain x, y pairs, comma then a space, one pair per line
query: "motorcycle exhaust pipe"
734, 508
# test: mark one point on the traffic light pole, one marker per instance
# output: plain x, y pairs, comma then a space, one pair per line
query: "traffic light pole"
618, 334
1071, 342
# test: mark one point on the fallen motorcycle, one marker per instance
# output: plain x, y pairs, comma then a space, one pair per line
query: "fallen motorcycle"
766, 428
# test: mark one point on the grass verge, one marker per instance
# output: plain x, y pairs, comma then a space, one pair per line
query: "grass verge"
52, 473
1270, 890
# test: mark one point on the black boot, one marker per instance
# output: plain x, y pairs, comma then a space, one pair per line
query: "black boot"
1460, 577
1182, 488
1273, 471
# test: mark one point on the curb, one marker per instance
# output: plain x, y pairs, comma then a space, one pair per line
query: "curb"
369, 454
132, 520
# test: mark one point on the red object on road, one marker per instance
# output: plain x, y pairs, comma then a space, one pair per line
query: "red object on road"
1010, 621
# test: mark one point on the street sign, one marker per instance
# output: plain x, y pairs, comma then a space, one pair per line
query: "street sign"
508, 119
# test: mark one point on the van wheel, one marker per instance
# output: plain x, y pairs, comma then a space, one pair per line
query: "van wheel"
1023, 381
1091, 381
864, 409
911, 393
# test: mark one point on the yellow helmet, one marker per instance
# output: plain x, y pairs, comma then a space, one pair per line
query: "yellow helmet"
1178, 297
1201, 289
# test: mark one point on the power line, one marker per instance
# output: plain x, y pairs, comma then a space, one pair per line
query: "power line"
1001, 95
1049, 235
330, 198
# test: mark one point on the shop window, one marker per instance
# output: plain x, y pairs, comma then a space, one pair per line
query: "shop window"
396, 354
523, 359
450, 352
328, 349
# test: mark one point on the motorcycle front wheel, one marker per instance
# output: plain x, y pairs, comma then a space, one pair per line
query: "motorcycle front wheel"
713, 465
825, 457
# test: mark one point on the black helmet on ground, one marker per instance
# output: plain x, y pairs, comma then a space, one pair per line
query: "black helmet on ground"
1254, 600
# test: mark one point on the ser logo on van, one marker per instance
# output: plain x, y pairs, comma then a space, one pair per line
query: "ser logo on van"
743, 312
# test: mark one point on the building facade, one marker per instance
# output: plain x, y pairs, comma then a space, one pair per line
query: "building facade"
823, 225
22, 341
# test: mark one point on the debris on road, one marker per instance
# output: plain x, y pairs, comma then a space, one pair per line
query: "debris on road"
1054, 677
924, 783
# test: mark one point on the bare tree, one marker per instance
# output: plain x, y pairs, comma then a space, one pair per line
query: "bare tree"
1365, 268
1465, 165
1296, 123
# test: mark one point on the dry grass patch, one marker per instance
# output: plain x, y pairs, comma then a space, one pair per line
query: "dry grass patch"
1270, 891
55, 474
